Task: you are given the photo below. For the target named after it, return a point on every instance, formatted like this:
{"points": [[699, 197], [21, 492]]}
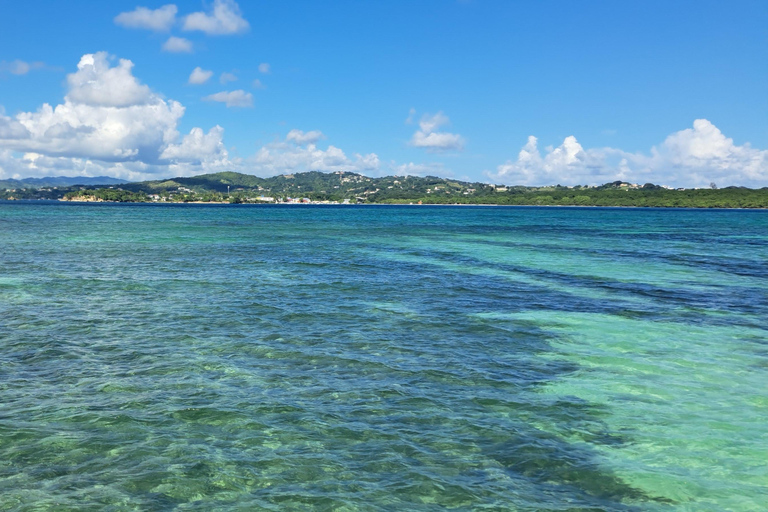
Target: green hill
{"points": [[356, 188]]}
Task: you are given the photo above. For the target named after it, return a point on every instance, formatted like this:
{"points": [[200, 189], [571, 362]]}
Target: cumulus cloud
{"points": [[109, 123], [158, 20], [223, 19], [258, 85], [199, 147], [301, 138], [531, 168], [227, 77], [437, 141], [177, 45], [693, 157], [96, 83], [289, 157], [413, 169], [112, 124], [705, 154], [20, 67], [107, 114], [36, 164], [429, 138], [199, 76], [11, 129], [238, 98], [264, 68]]}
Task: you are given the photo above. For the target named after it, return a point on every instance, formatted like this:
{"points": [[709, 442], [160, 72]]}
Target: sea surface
{"points": [[382, 358]]}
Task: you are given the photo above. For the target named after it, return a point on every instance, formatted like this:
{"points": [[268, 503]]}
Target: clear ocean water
{"points": [[382, 358]]}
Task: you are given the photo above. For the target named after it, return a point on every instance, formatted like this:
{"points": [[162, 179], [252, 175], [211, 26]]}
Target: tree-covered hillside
{"points": [[350, 187]]}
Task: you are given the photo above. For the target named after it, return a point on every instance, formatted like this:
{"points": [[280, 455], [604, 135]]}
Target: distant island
{"points": [[352, 188]]}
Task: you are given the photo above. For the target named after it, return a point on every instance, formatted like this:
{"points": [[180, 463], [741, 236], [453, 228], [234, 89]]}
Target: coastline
{"points": [[326, 204]]}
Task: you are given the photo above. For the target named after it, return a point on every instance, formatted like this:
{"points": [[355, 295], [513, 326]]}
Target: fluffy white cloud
{"points": [[531, 168], [227, 77], [19, 67], [288, 157], [264, 68], [705, 146], [224, 18], [95, 83], [428, 136], [177, 45], [199, 148], [258, 85], [109, 123], [413, 169], [238, 98], [693, 157], [11, 129], [301, 138], [437, 141], [199, 76], [159, 20], [36, 164]]}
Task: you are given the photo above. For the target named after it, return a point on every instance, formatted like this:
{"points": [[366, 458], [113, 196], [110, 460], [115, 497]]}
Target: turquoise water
{"points": [[194, 357]]}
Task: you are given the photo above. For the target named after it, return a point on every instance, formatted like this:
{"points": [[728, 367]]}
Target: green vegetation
{"points": [[107, 194], [350, 187], [612, 195]]}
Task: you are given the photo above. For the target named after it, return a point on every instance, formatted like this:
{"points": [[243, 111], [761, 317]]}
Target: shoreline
{"points": [[484, 205]]}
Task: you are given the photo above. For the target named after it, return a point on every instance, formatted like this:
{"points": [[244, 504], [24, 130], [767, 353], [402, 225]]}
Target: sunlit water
{"points": [[382, 358]]}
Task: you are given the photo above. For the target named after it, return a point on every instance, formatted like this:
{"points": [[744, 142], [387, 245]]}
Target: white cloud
{"points": [[708, 155], [177, 45], [199, 147], [238, 98], [107, 114], [227, 77], [264, 68], [225, 18], [429, 124], [429, 138], [704, 145], [302, 138], [109, 123], [159, 20], [693, 157], [95, 83], [530, 168], [413, 169], [36, 164], [411, 114], [437, 141], [11, 129], [199, 76], [287, 157], [258, 85], [19, 67]]}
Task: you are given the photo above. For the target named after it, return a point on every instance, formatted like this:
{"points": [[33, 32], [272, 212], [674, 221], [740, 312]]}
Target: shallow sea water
{"points": [[169, 357]]}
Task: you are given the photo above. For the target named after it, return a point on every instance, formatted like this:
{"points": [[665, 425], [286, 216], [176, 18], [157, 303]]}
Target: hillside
{"points": [[314, 185], [350, 187], [356, 188]]}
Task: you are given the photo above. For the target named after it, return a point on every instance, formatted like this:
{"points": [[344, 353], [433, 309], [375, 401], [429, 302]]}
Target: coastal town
{"points": [[348, 188]]}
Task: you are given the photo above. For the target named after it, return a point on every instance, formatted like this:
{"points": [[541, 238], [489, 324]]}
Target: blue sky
{"points": [[510, 92]]}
